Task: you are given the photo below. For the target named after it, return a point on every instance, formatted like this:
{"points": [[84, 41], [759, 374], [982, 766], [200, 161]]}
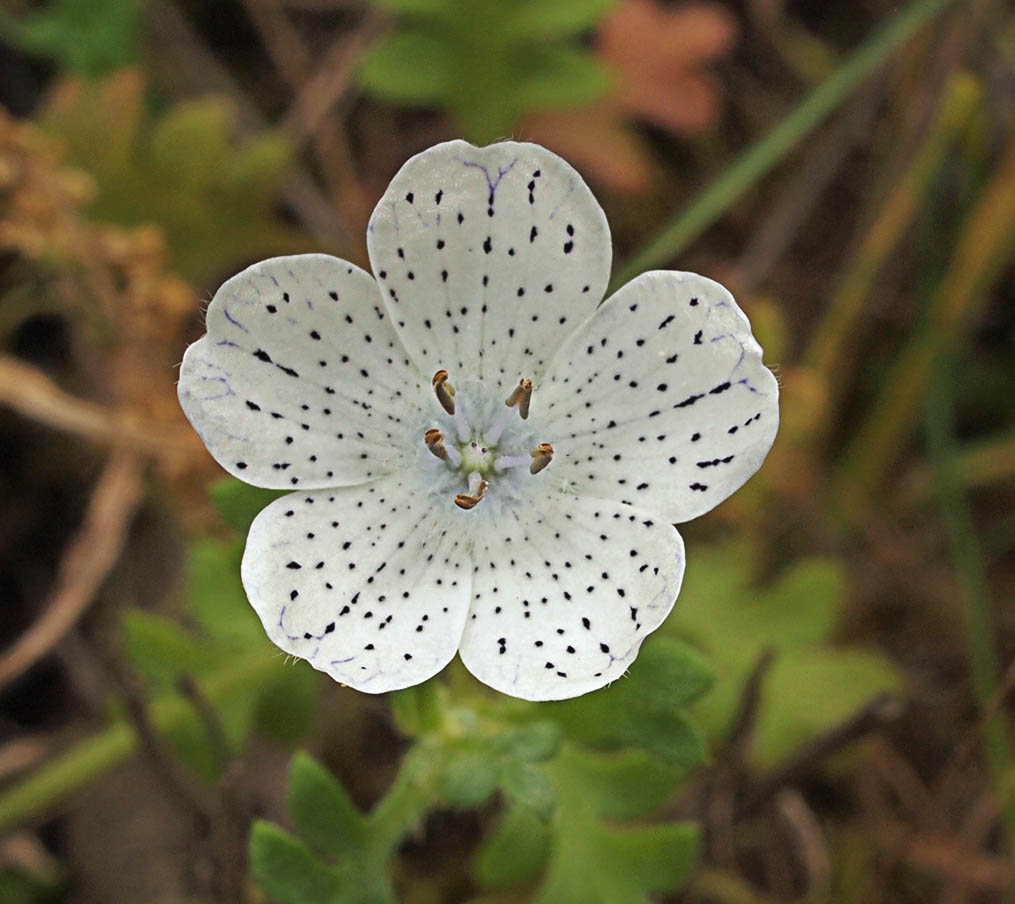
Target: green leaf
{"points": [[816, 688], [183, 170], [534, 742], [424, 9], [257, 171], [287, 706], [470, 778], [526, 785], [672, 673], [217, 600], [88, 37], [19, 888], [622, 785], [191, 743], [811, 686], [603, 865], [554, 77], [537, 19], [592, 862], [409, 67], [488, 62], [646, 709], [287, 870], [514, 852], [161, 650], [239, 503], [191, 143], [321, 810]]}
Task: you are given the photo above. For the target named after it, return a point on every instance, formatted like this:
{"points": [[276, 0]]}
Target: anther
{"points": [[444, 390], [471, 500], [520, 397], [434, 440], [542, 455]]}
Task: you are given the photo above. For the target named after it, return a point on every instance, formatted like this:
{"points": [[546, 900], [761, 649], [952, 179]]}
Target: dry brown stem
{"points": [[34, 395], [87, 560]]}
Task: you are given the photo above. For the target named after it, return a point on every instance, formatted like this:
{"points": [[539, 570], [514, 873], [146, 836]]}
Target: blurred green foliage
{"points": [[488, 62], [221, 626], [214, 198], [812, 685], [18, 888], [87, 37]]}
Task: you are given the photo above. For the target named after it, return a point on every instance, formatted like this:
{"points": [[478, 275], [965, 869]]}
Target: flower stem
{"points": [[758, 160], [415, 792], [419, 710]]}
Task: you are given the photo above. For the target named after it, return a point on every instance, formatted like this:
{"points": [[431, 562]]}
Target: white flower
{"points": [[482, 460]]}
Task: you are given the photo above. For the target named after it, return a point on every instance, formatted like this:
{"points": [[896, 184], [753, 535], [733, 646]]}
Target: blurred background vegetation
{"points": [[827, 716]]}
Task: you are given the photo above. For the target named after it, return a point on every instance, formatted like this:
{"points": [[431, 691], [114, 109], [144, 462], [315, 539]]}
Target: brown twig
{"points": [[974, 736], [750, 700], [881, 711], [331, 82], [219, 813], [721, 795], [824, 161], [184, 788], [811, 844], [87, 560], [281, 41], [32, 394], [196, 70], [20, 755], [212, 724]]}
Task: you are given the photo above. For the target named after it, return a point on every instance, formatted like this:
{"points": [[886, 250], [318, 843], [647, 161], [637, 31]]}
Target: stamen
{"points": [[471, 500], [434, 440], [520, 397], [542, 455], [444, 390], [507, 462]]}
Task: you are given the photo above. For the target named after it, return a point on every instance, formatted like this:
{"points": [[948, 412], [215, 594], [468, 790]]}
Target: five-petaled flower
{"points": [[481, 459]]}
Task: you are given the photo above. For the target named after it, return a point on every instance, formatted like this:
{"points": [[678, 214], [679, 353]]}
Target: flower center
{"points": [[478, 456]]}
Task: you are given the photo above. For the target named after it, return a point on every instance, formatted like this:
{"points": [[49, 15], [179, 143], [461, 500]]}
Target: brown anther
{"points": [[468, 501], [444, 390], [542, 455], [521, 395], [434, 440]]}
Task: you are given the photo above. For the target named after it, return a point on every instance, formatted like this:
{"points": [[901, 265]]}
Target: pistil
{"points": [[474, 455]]}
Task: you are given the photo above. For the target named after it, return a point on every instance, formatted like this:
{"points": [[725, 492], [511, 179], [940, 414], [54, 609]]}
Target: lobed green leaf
{"points": [[410, 66], [514, 852], [321, 810], [287, 870]]}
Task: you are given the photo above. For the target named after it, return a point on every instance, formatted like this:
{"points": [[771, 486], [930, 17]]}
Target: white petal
{"points": [[564, 595], [301, 380], [661, 399], [361, 581], [488, 258]]}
